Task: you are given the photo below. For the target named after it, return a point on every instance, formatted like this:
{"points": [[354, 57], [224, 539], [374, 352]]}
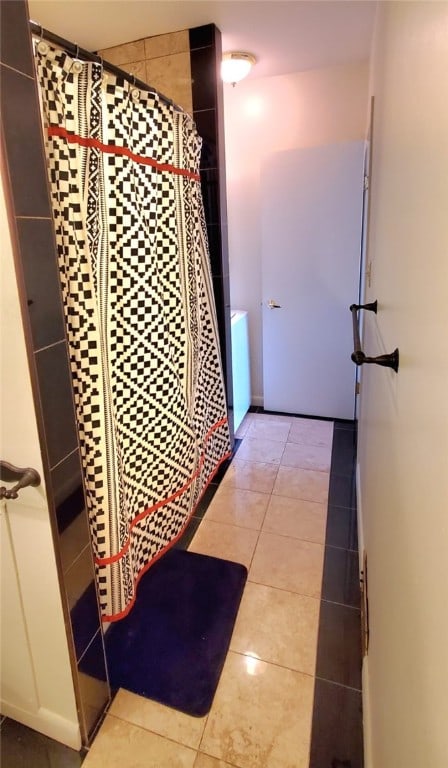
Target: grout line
{"points": [[344, 549], [157, 733], [341, 685], [17, 71], [272, 663], [342, 605], [49, 346], [98, 631], [34, 218], [284, 589], [61, 461], [217, 759]]}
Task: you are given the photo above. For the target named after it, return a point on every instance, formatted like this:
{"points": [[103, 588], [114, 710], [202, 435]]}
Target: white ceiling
{"points": [[285, 36]]}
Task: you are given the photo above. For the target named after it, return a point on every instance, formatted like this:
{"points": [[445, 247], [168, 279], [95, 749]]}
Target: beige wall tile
{"points": [[165, 45], [171, 75], [123, 54], [136, 68]]}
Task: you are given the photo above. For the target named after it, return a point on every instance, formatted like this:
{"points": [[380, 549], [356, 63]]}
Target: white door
{"points": [[311, 242], [36, 685]]}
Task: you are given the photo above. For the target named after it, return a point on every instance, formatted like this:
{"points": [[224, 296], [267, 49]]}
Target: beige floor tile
{"points": [[261, 715], [307, 456], [260, 449], [225, 541], [244, 426], [238, 507], [306, 484], [250, 476], [286, 563], [274, 417], [155, 717], [311, 432], [277, 626], [122, 745], [269, 427], [297, 518], [205, 761]]}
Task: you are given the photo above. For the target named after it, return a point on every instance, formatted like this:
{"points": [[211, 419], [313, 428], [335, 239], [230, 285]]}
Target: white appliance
{"points": [[240, 365]]}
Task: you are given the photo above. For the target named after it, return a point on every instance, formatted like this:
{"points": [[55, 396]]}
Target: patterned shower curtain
{"points": [[139, 310]]}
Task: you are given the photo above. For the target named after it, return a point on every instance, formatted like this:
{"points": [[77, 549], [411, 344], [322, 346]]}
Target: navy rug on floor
{"points": [[172, 646]]}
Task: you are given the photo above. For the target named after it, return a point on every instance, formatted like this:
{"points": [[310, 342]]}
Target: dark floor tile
{"points": [[336, 738], [343, 457], [21, 747], [41, 275], [340, 583], [339, 645], [342, 528], [342, 491]]}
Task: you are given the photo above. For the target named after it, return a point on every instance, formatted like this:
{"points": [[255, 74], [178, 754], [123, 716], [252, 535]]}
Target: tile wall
{"points": [[208, 114], [163, 61], [38, 284]]}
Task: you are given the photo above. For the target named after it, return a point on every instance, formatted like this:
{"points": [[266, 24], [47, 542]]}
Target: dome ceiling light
{"points": [[235, 65]]}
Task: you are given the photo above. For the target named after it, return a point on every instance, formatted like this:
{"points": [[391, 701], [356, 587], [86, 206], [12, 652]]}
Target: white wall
{"points": [[268, 115], [403, 430], [36, 681]]}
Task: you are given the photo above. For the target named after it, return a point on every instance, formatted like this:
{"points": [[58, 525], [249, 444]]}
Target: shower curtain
{"points": [[139, 309]]}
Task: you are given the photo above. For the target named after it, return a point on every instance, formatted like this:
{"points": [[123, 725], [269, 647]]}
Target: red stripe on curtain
{"points": [[113, 149], [122, 614], [163, 502]]}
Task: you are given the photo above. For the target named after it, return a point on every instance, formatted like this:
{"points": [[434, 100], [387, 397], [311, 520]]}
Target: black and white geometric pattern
{"points": [[139, 309]]}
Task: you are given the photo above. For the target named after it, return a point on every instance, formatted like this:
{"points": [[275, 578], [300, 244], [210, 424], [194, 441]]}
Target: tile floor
{"points": [[289, 695]]}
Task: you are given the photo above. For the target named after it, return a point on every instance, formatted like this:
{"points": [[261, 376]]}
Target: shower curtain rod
{"points": [[74, 50]]}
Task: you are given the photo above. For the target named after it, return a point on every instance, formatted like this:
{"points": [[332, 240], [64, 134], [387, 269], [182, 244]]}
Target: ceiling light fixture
{"points": [[235, 65]]}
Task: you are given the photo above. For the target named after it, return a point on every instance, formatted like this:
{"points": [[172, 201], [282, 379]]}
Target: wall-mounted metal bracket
{"points": [[390, 360], [21, 477]]}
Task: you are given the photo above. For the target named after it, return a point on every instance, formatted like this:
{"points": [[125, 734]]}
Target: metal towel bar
{"points": [[21, 477], [359, 357]]}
